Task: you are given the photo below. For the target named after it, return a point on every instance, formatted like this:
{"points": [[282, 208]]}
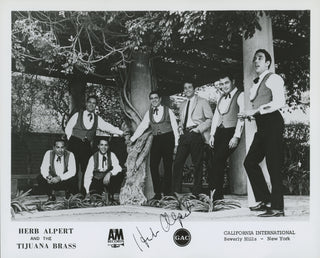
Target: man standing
{"points": [[225, 132], [267, 96], [195, 120], [81, 130], [164, 128], [58, 169], [103, 171]]}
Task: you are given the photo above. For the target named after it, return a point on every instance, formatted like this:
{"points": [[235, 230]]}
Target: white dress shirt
{"points": [[223, 107], [89, 171], [276, 84], [189, 121], [58, 166], [145, 123], [102, 125]]}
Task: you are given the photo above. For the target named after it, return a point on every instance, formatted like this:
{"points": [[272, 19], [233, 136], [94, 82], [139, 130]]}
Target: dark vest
{"points": [[81, 132], [96, 173], [230, 118], [164, 125], [52, 171], [263, 94]]}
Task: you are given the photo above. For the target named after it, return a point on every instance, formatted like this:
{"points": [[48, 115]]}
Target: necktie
{"points": [[104, 159], [90, 117], [59, 159], [186, 117], [256, 80], [155, 111], [228, 95]]}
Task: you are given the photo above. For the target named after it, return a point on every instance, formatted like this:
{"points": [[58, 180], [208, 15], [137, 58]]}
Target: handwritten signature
{"points": [[166, 221]]}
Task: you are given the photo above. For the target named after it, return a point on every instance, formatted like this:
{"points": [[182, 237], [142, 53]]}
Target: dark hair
{"points": [[103, 139], [226, 74], [190, 82], [266, 54], [59, 140], [155, 92], [92, 97]]}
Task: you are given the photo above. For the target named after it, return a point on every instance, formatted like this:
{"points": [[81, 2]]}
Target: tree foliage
{"points": [[184, 45]]}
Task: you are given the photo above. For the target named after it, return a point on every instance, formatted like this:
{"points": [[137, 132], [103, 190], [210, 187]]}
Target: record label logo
{"points": [[182, 237], [115, 238]]}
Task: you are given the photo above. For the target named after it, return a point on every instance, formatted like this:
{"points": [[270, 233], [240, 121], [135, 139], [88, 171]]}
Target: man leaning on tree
{"points": [[164, 128], [81, 130]]}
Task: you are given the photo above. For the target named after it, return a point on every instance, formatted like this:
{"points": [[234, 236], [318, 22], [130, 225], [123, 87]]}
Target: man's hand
{"points": [[106, 179], [55, 180], [195, 130], [211, 141], [242, 116], [233, 142], [175, 149], [180, 130]]}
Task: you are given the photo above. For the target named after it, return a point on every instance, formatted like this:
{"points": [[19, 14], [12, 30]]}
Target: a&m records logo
{"points": [[115, 238], [182, 237]]}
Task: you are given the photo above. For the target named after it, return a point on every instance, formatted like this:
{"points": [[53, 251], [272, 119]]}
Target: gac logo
{"points": [[182, 237]]}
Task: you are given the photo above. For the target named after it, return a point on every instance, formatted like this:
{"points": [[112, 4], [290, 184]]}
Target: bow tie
{"points": [[228, 95], [256, 80], [104, 159], [155, 111], [90, 117], [59, 159]]}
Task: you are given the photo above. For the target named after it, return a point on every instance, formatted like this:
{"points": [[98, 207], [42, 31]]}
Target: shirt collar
{"points": [[261, 76]]}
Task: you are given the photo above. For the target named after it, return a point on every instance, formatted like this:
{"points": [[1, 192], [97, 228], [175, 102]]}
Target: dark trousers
{"points": [[70, 185], [189, 143], [268, 143], [114, 185], [82, 153], [221, 152], [162, 147]]}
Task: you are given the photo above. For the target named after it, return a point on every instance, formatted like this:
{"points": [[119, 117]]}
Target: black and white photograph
{"points": [[131, 129]]}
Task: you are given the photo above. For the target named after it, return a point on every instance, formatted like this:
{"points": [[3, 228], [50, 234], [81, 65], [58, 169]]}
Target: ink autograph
{"points": [[166, 221]]}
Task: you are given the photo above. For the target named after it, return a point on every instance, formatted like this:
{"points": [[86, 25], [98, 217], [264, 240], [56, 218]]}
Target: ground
{"points": [[296, 209]]}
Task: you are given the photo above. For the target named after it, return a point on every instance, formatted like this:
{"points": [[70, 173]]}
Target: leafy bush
{"points": [[296, 169]]}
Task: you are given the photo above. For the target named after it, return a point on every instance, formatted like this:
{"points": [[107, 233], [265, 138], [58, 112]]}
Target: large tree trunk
{"points": [[138, 185], [77, 87]]}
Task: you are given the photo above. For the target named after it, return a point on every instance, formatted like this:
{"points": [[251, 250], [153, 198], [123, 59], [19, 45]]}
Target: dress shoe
{"points": [[272, 213], [261, 206]]}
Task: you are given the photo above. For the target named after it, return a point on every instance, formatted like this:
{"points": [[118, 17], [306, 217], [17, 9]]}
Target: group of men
{"points": [[197, 126]]}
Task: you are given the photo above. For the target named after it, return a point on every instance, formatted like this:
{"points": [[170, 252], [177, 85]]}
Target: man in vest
{"points": [[81, 130], [164, 128], [225, 132], [267, 96], [194, 130], [58, 169], [102, 173]]}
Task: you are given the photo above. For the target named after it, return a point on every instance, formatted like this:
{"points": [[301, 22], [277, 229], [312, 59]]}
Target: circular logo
{"points": [[182, 237]]}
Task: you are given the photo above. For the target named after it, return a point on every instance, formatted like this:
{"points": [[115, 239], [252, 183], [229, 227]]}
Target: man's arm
{"points": [[71, 168], [141, 127], [105, 126], [276, 84], [174, 126], [115, 164], [71, 123], [240, 122], [207, 113], [44, 169], [88, 175]]}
